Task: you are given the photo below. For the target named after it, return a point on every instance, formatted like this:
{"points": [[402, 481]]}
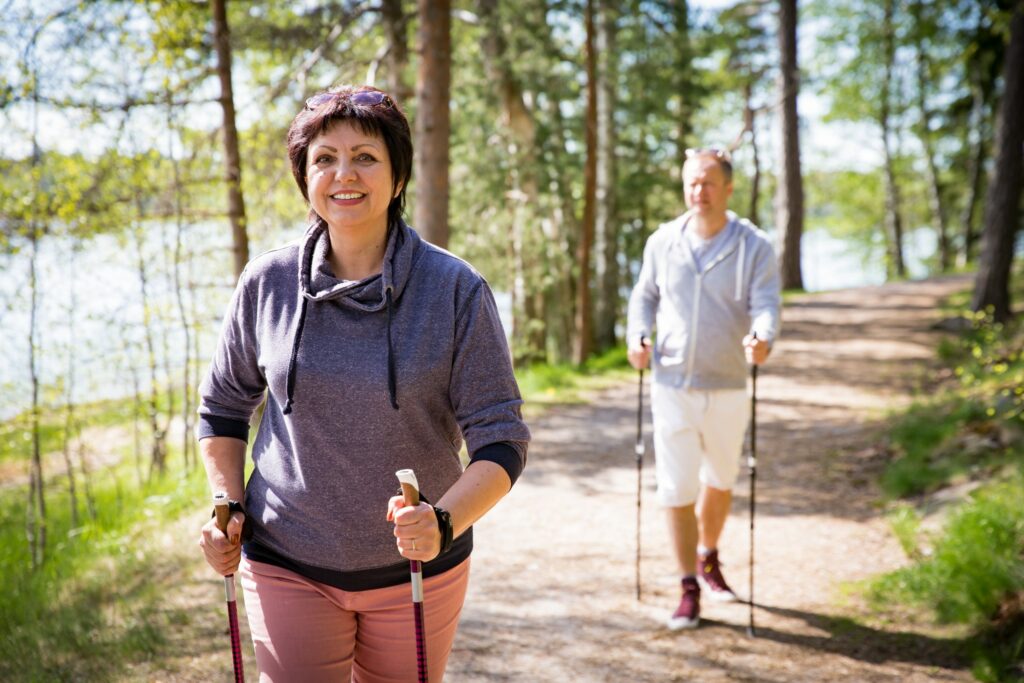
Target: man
{"points": [[709, 287]]}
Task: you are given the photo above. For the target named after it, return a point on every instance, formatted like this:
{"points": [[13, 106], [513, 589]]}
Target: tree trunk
{"points": [[789, 203], [187, 438], [69, 386], [36, 517], [395, 22], [583, 305], [975, 163], [232, 157], [433, 121], [607, 225], [684, 77], [1002, 205], [561, 232], [519, 133], [750, 123], [893, 222], [83, 464], [935, 193], [158, 445]]}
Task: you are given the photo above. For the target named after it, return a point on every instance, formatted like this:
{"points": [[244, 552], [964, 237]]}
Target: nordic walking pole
{"points": [[411, 491], [221, 506], [752, 465], [639, 450]]}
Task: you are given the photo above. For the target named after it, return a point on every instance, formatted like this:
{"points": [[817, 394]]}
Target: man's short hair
{"points": [[721, 156]]}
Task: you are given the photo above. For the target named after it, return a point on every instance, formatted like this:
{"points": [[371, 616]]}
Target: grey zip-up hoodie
{"points": [[363, 379], [701, 316]]}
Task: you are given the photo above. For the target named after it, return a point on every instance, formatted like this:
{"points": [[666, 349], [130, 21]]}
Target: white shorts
{"points": [[698, 439]]}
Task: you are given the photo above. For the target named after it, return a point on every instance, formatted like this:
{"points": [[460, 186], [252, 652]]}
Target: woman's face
{"points": [[349, 179]]}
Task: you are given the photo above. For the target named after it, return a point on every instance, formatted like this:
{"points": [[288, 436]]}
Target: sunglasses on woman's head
{"points": [[361, 98]]}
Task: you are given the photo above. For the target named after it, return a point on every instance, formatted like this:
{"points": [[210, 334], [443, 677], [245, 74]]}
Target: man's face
{"points": [[705, 187]]}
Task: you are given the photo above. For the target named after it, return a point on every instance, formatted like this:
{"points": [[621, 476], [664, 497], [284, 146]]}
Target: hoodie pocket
{"points": [[671, 348]]}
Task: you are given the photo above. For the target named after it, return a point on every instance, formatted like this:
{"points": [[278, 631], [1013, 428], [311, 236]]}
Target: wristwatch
{"points": [[444, 525]]}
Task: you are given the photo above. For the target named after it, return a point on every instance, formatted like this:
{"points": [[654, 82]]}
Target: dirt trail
{"points": [[552, 592], [552, 588]]}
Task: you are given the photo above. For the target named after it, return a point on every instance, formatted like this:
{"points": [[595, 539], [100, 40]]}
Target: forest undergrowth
{"points": [[955, 486]]}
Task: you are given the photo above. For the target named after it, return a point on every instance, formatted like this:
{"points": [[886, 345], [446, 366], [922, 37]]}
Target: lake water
{"points": [[99, 292]]}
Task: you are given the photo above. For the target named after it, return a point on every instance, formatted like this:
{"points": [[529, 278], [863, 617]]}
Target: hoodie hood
{"points": [[369, 295], [318, 283]]}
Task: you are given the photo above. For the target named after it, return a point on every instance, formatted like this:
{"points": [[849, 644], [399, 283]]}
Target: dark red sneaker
{"points": [[709, 569], [687, 615]]}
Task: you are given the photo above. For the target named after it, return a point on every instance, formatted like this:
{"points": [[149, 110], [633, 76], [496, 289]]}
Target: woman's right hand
{"points": [[223, 551]]}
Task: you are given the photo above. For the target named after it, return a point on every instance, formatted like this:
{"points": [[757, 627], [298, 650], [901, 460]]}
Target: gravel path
{"points": [[552, 592]]}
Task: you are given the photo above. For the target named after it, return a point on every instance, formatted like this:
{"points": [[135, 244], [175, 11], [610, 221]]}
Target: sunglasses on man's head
{"points": [[361, 98], [716, 152]]}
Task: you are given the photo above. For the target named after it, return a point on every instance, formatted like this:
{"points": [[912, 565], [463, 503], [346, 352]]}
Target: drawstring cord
{"points": [[739, 267], [290, 385], [391, 355]]}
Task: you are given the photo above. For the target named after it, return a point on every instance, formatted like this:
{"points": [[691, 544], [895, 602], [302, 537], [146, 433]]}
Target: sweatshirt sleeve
{"points": [[234, 386], [765, 293], [643, 300], [483, 388]]}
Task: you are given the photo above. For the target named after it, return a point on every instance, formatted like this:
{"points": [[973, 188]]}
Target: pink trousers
{"points": [[306, 632]]}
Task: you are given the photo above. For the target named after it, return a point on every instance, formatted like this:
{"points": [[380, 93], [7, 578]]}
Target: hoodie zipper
{"points": [[695, 315]]}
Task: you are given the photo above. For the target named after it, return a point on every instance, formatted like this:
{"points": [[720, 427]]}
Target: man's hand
{"points": [[755, 349], [639, 353]]}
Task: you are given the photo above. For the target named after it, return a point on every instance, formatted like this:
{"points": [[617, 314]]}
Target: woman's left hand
{"points": [[416, 531]]}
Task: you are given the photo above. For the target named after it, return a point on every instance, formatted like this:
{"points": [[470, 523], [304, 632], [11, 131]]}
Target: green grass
{"points": [[88, 609], [15, 441], [91, 610], [974, 575], [546, 385], [972, 426], [971, 571], [939, 442]]}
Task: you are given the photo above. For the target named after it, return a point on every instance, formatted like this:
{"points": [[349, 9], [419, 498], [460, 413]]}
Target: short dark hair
{"points": [[384, 120], [722, 156]]}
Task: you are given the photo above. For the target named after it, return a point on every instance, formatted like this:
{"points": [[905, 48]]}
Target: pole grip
{"points": [[410, 487], [222, 509]]}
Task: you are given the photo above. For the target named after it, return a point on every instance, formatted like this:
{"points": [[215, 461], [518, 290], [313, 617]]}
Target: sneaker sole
{"points": [[716, 595], [682, 623]]}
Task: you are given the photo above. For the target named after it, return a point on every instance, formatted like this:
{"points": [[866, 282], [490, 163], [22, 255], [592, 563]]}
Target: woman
{"points": [[377, 351]]}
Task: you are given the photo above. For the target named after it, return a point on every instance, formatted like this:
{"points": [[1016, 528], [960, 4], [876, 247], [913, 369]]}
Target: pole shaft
{"points": [[753, 487], [223, 513], [412, 499], [639, 450]]}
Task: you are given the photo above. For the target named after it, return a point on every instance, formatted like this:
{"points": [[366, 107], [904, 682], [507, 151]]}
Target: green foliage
{"points": [[975, 563], [971, 572], [973, 576], [15, 437], [972, 428], [545, 384], [906, 524], [90, 609], [929, 448]]}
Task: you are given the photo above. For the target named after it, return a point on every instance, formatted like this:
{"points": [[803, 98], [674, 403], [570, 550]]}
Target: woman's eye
{"points": [[322, 159], [365, 157]]}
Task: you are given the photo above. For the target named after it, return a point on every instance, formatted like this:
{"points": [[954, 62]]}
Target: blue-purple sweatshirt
{"points": [[362, 379]]}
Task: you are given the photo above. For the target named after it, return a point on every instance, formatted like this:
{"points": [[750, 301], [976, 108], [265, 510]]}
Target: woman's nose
{"points": [[346, 170]]}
